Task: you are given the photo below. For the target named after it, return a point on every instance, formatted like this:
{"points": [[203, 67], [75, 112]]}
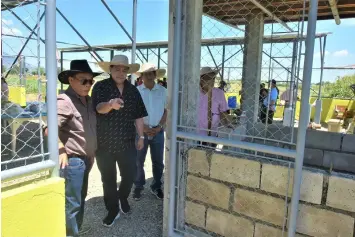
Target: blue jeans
{"points": [[157, 154], [76, 176]]}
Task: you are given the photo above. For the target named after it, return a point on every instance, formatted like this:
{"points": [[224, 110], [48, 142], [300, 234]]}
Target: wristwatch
{"points": [[160, 126], [141, 137]]}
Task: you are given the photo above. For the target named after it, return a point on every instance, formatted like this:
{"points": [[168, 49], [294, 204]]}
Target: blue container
{"points": [[232, 102]]}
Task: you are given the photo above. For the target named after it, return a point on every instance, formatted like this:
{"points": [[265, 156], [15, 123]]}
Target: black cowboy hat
{"points": [[76, 66]]}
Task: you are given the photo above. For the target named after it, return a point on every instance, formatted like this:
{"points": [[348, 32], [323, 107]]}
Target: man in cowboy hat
{"points": [[154, 97], [120, 111], [77, 140], [213, 105]]}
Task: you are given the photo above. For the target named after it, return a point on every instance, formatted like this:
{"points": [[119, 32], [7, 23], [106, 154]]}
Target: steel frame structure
{"points": [[175, 65]]}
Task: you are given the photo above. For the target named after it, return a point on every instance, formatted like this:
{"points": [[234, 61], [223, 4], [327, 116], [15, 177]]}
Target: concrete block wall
{"points": [[327, 150], [233, 196]]}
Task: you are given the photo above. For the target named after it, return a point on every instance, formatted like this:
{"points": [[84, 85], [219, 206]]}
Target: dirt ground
{"points": [[145, 219]]}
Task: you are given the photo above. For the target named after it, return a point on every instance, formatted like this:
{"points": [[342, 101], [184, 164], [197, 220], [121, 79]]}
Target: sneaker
{"points": [[124, 205], [137, 194], [84, 230], [158, 193], [110, 219]]}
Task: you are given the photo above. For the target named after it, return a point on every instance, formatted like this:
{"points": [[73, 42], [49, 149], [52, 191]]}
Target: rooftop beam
{"points": [[270, 14], [334, 8]]}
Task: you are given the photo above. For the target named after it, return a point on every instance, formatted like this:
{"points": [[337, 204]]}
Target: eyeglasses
{"points": [[84, 82]]}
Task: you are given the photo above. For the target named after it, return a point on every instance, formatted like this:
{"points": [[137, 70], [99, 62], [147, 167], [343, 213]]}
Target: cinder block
{"points": [[198, 163], [259, 206], [341, 193], [235, 170], [348, 143], [195, 214], [228, 225], [339, 161], [268, 231], [208, 191], [313, 157], [274, 179], [323, 223], [323, 140]]}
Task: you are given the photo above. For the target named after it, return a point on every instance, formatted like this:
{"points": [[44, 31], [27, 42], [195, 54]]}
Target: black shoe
{"points": [[158, 193], [137, 194], [111, 218], [124, 205]]}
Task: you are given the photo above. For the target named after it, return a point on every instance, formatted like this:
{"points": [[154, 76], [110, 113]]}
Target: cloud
{"points": [[7, 22], [341, 53], [10, 31]]}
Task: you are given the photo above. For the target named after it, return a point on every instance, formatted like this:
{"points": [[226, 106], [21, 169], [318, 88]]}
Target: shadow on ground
{"points": [[144, 220]]}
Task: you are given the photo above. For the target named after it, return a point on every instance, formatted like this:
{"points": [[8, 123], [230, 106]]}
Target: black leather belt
{"points": [[77, 156]]}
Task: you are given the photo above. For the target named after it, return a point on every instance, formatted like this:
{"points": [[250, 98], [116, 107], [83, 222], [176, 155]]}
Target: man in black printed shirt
{"points": [[120, 111]]}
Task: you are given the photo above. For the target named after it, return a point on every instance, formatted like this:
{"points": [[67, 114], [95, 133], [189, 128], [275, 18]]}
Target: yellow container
{"points": [[17, 94]]}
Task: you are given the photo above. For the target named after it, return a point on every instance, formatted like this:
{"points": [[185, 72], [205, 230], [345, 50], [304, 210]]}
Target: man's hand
{"points": [[140, 144], [63, 160], [116, 104]]}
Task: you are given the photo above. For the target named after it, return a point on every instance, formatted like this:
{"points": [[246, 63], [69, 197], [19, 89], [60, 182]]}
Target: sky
{"points": [[98, 27]]}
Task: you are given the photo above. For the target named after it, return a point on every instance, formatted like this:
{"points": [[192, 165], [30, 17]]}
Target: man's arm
{"points": [[163, 118], [140, 127], [104, 107]]}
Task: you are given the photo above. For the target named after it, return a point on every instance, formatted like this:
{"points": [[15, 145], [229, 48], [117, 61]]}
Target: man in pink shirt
{"points": [[213, 105]]}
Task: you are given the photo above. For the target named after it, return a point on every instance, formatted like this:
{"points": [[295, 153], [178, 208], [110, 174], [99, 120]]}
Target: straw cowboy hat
{"points": [[119, 60], [149, 67], [76, 66], [207, 70]]}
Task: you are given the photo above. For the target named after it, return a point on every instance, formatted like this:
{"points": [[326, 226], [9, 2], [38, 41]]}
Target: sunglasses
{"points": [[84, 82]]}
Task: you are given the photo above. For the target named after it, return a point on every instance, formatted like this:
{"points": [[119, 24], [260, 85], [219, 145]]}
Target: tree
{"points": [[340, 88], [3, 69]]}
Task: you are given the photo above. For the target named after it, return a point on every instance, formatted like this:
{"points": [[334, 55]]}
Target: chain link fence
{"points": [[247, 87], [23, 100]]}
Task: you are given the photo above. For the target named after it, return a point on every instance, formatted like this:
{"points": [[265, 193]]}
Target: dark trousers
{"points": [[157, 155], [76, 176], [264, 114], [106, 163]]}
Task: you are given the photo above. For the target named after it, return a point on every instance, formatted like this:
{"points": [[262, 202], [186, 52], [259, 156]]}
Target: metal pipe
{"points": [[334, 8], [223, 56], [27, 169], [304, 116], [176, 63], [134, 38], [31, 157], [77, 32], [322, 55], [270, 14], [51, 72], [159, 58], [39, 82], [61, 68], [214, 61], [239, 144]]}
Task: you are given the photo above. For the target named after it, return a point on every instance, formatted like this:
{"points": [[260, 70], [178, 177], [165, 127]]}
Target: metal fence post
{"points": [[51, 74], [134, 38], [174, 115], [304, 115]]}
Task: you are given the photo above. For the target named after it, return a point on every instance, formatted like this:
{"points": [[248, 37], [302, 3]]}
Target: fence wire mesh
{"points": [[247, 90], [23, 85]]}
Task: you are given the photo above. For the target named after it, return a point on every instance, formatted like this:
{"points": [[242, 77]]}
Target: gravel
{"points": [[144, 220]]}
